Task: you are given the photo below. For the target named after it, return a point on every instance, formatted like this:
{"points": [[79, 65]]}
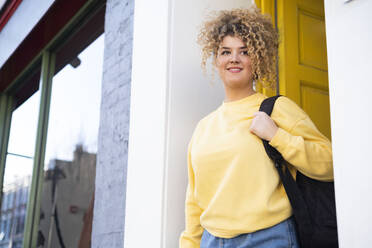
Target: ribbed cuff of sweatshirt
{"points": [[281, 140]]}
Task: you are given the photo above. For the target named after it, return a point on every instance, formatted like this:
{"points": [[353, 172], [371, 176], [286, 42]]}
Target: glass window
{"points": [[70, 158], [4, 201], [18, 166], [8, 224], [3, 227], [25, 191]]}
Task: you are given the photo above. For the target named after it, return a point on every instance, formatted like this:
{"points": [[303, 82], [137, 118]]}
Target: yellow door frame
{"points": [[269, 7], [302, 63]]}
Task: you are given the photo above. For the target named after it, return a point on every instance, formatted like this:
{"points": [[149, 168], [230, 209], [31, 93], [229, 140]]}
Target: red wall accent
{"points": [[10, 8]]}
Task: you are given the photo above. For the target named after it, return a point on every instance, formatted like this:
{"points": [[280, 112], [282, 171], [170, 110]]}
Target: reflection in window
{"points": [[18, 169], [71, 148]]}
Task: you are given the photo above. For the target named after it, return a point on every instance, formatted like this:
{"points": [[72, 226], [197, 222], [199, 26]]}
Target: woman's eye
{"points": [[225, 52], [244, 52]]}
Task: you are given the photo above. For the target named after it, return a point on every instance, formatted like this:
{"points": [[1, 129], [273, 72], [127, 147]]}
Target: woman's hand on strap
{"points": [[263, 126]]}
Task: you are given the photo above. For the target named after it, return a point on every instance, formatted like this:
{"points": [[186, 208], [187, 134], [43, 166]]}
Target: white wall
{"points": [[169, 96], [28, 13], [349, 40], [147, 131]]}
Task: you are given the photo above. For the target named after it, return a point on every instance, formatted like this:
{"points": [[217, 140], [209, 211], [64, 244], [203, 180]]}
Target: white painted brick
{"points": [[109, 208]]}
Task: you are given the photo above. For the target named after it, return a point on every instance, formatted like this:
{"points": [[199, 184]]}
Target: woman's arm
{"points": [[305, 148], [296, 137], [191, 236]]}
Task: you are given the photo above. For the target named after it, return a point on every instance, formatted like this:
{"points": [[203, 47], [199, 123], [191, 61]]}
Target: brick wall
{"points": [[109, 206]]}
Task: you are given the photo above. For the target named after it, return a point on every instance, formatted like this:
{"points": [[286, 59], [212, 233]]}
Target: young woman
{"points": [[234, 196]]}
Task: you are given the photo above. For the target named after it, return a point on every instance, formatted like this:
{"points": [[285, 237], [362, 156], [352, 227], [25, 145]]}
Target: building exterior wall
{"points": [[162, 105], [349, 42], [109, 207]]}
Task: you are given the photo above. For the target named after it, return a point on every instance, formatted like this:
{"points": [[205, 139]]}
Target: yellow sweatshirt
{"points": [[233, 186]]}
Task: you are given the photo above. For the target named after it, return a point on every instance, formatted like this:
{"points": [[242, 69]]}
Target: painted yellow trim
{"points": [[281, 51], [267, 7]]}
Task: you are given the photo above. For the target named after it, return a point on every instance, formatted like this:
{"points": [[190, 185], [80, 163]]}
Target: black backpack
{"points": [[312, 201]]}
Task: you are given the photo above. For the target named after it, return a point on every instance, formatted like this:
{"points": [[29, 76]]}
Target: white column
{"points": [[349, 40], [148, 124]]}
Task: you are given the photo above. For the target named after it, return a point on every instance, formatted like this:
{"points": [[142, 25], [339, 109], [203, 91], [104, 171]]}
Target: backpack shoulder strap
{"points": [[267, 106], [300, 209]]}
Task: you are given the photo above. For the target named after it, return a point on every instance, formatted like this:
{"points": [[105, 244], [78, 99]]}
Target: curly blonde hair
{"points": [[254, 29]]}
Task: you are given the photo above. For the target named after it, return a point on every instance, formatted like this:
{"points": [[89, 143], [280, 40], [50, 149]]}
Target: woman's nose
{"points": [[235, 57]]}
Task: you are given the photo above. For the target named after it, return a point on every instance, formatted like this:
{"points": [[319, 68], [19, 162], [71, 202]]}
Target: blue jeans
{"points": [[282, 235]]}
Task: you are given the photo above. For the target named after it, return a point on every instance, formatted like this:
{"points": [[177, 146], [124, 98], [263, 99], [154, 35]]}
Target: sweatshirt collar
{"points": [[249, 100]]}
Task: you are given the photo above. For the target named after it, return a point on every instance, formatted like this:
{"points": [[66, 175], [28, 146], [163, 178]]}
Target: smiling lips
{"points": [[235, 69]]}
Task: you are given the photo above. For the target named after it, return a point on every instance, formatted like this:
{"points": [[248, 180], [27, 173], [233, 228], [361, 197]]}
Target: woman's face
{"points": [[233, 63]]}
